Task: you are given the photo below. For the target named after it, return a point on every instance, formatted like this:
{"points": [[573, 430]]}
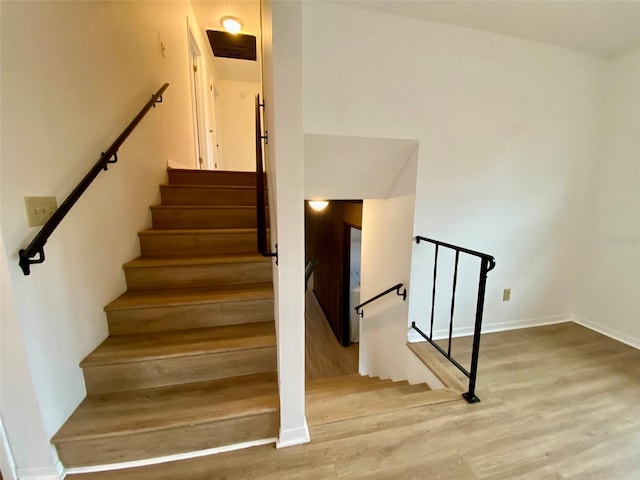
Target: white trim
{"points": [[178, 165], [168, 458], [37, 473], [609, 332], [413, 336], [7, 455], [294, 436]]}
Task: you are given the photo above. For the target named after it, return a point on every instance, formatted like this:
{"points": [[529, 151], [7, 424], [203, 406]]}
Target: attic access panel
{"points": [[232, 45]]}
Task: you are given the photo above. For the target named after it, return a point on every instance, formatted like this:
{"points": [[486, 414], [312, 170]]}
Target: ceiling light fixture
{"points": [[318, 205], [231, 24]]}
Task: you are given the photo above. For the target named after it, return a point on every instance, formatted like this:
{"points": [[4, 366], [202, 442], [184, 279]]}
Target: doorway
{"points": [[353, 259]]}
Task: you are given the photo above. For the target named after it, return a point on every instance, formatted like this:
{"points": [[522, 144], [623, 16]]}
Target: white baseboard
{"points": [[609, 332], [38, 473], [167, 458], [294, 436], [414, 336]]}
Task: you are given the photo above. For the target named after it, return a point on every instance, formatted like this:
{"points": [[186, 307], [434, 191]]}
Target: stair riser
{"points": [[203, 217], [188, 438], [197, 243], [186, 276], [178, 370], [199, 177], [184, 317], [207, 196]]}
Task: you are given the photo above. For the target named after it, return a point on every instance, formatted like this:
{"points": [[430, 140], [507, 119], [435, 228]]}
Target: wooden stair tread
{"points": [[146, 346], [173, 260], [166, 407], [338, 382], [203, 207], [358, 406], [191, 296], [197, 231], [352, 397], [211, 187], [422, 350], [348, 385], [178, 176]]}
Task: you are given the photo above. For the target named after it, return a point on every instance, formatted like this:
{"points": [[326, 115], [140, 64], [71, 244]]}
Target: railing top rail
{"points": [[485, 256], [395, 288], [36, 247]]}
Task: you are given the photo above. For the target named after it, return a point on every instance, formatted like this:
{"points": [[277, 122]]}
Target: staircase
{"points": [[346, 397], [190, 361]]}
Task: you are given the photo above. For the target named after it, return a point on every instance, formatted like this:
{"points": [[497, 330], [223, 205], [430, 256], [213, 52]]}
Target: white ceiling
{"points": [[601, 27], [347, 168], [209, 13]]}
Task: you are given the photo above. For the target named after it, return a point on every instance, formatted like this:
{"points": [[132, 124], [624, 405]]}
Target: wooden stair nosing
{"points": [[210, 177], [187, 242], [178, 370], [192, 296], [160, 408], [207, 195], [178, 260], [186, 317], [196, 275], [187, 438], [326, 413], [181, 343]]}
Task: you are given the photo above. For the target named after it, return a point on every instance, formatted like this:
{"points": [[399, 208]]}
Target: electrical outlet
{"points": [[39, 209], [506, 295]]}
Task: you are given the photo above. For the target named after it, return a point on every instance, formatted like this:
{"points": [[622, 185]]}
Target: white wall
{"points": [[508, 140], [387, 227], [73, 74], [27, 441], [343, 168], [609, 300], [282, 23], [237, 112]]}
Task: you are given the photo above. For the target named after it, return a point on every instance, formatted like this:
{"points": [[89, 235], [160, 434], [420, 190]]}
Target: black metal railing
{"points": [[261, 202], [36, 247], [395, 288], [308, 271], [487, 263]]}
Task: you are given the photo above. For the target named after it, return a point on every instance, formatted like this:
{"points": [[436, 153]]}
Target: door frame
{"points": [[196, 71]]}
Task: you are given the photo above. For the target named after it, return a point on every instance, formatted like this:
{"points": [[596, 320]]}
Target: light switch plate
{"points": [[506, 295], [39, 209]]}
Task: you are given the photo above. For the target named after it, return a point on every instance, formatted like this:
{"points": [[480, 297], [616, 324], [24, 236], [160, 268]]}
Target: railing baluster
{"points": [[453, 302], [470, 396], [433, 292]]}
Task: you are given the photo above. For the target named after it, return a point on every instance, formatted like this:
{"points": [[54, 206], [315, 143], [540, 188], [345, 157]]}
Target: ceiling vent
{"points": [[232, 45]]}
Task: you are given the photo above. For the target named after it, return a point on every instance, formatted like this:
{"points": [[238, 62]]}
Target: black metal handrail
{"points": [[261, 204], [487, 263], [36, 247], [395, 288], [308, 271]]}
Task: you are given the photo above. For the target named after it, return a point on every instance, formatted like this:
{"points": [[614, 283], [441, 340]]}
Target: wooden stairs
{"points": [[347, 397], [190, 361]]}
